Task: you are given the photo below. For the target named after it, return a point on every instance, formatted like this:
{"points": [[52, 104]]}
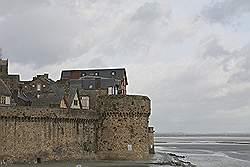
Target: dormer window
{"points": [[38, 87], [113, 73], [3, 100], [75, 102]]}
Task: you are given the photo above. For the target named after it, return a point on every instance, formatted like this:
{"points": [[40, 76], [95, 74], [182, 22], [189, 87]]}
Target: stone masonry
{"points": [[123, 127], [116, 130], [28, 134]]}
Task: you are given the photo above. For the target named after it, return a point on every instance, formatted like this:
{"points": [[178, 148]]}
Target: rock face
{"points": [[117, 130]]}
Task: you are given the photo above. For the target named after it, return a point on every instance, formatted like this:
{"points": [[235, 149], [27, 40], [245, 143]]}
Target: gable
{"points": [[63, 104], [75, 103]]}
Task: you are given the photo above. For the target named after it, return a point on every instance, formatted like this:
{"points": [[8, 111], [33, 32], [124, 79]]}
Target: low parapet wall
{"points": [[34, 134], [36, 112], [130, 104]]}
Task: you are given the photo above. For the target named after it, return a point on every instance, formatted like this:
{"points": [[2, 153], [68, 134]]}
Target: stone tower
{"points": [[123, 128], [3, 66]]}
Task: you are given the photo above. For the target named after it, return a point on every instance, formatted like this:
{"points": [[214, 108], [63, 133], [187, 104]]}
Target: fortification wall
{"points": [[123, 128], [151, 140], [31, 134]]}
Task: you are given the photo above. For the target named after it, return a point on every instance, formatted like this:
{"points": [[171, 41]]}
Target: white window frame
{"points": [[38, 87], [130, 147], [110, 90], [75, 104], [3, 100], [85, 102]]}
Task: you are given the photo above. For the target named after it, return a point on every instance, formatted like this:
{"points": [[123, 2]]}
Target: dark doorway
{"points": [[38, 160]]}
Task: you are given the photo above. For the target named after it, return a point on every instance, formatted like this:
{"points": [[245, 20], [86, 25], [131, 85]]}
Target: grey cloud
{"points": [[224, 11], [45, 36], [243, 74], [206, 92], [9, 7], [74, 28], [214, 49], [96, 63], [148, 12], [184, 104], [237, 62]]}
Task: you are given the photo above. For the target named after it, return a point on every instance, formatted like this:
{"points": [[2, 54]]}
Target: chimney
{"points": [[46, 76], [0, 53]]}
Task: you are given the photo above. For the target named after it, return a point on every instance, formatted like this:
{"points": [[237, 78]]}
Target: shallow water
{"points": [[218, 151]]}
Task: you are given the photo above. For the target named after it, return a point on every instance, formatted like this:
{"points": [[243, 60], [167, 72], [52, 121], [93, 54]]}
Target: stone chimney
{"points": [[3, 66]]}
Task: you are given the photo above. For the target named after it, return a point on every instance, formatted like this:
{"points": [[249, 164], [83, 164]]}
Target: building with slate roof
{"points": [[117, 77]]}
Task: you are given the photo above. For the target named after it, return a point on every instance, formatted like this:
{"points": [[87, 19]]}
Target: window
{"points": [[77, 128], [33, 86], [75, 103], [85, 102], [130, 148], [90, 86], [38, 87], [3, 100], [38, 96], [96, 73], [116, 90], [113, 73], [44, 86], [83, 74], [110, 90]]}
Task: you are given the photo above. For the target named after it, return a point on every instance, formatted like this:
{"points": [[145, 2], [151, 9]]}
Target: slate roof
{"points": [[118, 73], [4, 90], [95, 82], [72, 94], [23, 97], [49, 98]]}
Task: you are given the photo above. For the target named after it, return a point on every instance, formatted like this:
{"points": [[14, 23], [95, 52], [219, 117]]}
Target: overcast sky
{"points": [[191, 57]]}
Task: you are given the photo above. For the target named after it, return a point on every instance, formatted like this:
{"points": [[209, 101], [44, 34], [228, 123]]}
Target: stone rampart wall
{"points": [[116, 130], [31, 134]]}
